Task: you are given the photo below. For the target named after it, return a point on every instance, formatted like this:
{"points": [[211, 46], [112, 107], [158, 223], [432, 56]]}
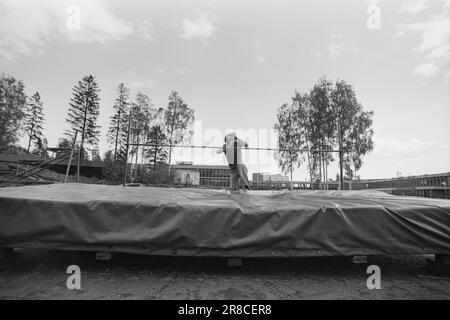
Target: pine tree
{"points": [[84, 111], [34, 120], [156, 153], [117, 131]]}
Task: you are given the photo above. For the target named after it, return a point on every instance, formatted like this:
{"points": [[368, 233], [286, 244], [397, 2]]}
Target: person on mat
{"points": [[233, 151]]}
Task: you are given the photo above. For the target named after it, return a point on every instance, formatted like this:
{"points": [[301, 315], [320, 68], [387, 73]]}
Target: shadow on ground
{"points": [[41, 274]]}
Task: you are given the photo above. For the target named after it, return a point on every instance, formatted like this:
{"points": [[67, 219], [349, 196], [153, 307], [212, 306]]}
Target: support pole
{"points": [[71, 155], [79, 162], [290, 158], [126, 150]]}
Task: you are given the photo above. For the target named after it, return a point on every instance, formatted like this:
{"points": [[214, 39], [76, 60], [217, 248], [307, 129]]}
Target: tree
{"points": [[117, 131], [142, 115], [358, 143], [329, 116], [322, 127], [354, 127], [41, 147], [95, 154], [111, 171], [288, 138], [64, 143], [66, 146], [12, 105], [178, 117], [157, 154], [83, 114], [83, 111], [302, 116], [34, 120]]}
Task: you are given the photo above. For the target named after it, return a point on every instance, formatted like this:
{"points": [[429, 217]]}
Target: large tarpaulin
{"points": [[199, 222]]}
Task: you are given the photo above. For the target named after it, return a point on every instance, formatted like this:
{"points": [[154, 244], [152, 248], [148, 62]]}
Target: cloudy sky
{"points": [[236, 62]]}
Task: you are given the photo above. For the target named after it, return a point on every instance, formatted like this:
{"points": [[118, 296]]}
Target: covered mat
{"points": [[200, 222]]}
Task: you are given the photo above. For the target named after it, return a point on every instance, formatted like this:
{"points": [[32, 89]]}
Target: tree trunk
{"points": [[309, 161], [82, 140], [29, 144], [170, 151], [31, 137], [320, 170], [156, 151], [117, 136], [137, 156]]}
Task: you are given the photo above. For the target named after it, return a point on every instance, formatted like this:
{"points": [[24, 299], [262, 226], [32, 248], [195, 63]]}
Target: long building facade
{"points": [[428, 185], [210, 175]]}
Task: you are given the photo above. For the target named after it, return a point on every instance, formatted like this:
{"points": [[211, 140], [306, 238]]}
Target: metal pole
{"points": [[71, 155], [219, 147], [290, 158], [79, 161], [126, 151]]}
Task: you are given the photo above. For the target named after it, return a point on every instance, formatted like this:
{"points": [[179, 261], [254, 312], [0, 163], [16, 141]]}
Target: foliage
{"points": [[354, 127], [117, 131], [289, 137], [34, 121], [178, 118], [157, 154], [12, 107], [327, 118], [142, 116], [113, 171], [83, 111]]}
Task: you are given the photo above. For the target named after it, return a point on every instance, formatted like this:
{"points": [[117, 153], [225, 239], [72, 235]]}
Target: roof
{"points": [[199, 166], [9, 157], [434, 175]]}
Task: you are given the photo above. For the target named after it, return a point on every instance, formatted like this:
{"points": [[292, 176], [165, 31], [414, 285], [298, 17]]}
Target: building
{"points": [[257, 176], [276, 177], [428, 185], [214, 176], [186, 177], [269, 177]]}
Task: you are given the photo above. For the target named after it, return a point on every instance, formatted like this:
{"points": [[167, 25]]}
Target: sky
{"points": [[236, 62]]}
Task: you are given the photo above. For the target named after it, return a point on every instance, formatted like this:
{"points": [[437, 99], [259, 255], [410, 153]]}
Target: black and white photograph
{"points": [[224, 155]]}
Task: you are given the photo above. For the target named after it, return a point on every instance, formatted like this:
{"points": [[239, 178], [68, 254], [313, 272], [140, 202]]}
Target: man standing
{"points": [[233, 151]]}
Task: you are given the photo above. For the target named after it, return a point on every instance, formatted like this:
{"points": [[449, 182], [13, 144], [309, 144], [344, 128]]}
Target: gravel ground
{"points": [[41, 274]]}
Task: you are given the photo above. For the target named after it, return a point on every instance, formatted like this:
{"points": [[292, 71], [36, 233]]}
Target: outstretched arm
{"points": [[242, 143], [220, 150]]}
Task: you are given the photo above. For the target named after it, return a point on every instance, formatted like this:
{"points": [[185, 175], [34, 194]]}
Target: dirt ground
{"points": [[41, 274]]}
